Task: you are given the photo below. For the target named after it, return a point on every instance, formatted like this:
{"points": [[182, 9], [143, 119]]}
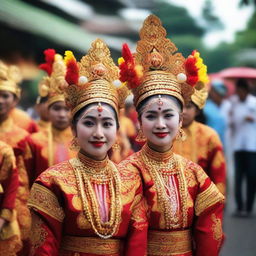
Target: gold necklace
{"points": [[166, 196], [109, 175]]}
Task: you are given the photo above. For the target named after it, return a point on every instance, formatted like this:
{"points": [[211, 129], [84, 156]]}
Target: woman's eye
{"points": [[150, 117], [168, 115], [107, 124], [88, 123]]}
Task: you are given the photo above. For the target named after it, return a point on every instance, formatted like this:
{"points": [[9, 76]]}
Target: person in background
{"points": [[11, 134], [125, 132], [217, 110], [202, 144], [51, 145], [43, 113], [243, 123], [185, 207], [10, 242], [23, 120], [86, 206]]}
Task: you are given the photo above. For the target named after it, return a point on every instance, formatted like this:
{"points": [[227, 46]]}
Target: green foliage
{"points": [[187, 43], [177, 20], [219, 58]]}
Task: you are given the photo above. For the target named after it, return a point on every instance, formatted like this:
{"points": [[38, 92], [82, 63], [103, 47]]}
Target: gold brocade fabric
{"points": [[44, 200], [12, 135], [93, 245], [203, 146], [169, 243]]}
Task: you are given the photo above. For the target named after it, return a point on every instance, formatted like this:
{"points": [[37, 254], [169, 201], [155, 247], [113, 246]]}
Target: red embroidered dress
{"points": [[185, 206], [73, 201]]}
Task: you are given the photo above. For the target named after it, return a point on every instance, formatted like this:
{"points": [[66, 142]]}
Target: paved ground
{"points": [[240, 232]]}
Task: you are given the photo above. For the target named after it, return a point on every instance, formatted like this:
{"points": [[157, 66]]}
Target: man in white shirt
{"points": [[243, 121]]}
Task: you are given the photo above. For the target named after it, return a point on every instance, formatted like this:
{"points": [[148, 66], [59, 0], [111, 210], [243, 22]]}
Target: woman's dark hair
{"points": [[78, 114], [142, 104]]}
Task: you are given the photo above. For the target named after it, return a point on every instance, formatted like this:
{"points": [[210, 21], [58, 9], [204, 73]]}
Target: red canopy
{"points": [[238, 72]]}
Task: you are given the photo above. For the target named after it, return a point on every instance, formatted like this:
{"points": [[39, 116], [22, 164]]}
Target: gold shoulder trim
{"points": [[208, 198], [41, 198]]}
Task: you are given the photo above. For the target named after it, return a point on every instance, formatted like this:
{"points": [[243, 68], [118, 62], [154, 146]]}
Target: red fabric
{"points": [[197, 182], [60, 180]]}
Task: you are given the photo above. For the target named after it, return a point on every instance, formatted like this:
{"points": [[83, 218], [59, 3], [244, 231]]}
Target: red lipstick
{"points": [[161, 134], [97, 144]]}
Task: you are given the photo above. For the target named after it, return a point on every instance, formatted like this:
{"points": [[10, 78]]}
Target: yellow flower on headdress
{"points": [[202, 68]]}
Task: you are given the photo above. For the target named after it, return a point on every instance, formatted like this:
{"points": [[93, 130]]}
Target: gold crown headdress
{"points": [[156, 67], [10, 77], [93, 79], [52, 86]]}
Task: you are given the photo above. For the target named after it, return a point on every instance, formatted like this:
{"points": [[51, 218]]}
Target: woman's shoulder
{"points": [[129, 167], [189, 167], [58, 171]]}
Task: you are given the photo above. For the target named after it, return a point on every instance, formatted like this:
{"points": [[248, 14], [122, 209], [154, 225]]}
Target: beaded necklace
{"points": [[85, 176], [162, 168]]}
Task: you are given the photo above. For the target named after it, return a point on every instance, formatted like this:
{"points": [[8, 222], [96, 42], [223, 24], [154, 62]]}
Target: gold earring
{"points": [[116, 146], [181, 135], [140, 137], [74, 145]]}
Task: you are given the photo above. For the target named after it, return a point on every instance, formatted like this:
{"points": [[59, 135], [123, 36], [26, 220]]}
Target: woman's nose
{"points": [[160, 124]]}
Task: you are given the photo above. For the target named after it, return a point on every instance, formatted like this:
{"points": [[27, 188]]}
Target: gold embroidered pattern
{"points": [[43, 199], [92, 245], [139, 212], [217, 229], [37, 234], [171, 199], [7, 161], [207, 198], [169, 243], [62, 175]]}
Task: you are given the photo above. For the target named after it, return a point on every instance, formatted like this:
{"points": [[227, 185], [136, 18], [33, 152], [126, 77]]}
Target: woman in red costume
{"points": [[185, 207], [85, 206]]}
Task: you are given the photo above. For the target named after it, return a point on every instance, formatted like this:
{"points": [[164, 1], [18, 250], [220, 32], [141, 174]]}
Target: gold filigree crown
{"points": [[93, 79], [10, 77], [157, 68], [52, 86]]}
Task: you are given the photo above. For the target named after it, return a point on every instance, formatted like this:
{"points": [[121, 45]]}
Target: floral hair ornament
{"points": [[197, 76], [53, 85], [94, 79]]}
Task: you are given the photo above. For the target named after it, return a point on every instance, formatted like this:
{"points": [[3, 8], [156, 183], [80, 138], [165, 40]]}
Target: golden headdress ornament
{"points": [[52, 86], [156, 67], [93, 79], [10, 77], [199, 97]]}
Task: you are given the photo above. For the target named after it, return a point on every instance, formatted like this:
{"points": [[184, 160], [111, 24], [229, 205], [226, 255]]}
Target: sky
{"points": [[233, 17]]}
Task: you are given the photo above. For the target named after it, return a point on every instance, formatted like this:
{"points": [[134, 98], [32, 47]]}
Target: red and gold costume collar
{"points": [[157, 156], [89, 162]]}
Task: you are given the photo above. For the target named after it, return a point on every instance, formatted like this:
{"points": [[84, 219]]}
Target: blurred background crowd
{"points": [[223, 32]]}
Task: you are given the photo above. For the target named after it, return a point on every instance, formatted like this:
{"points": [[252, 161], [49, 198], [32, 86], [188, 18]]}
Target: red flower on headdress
{"points": [[129, 71], [49, 59]]}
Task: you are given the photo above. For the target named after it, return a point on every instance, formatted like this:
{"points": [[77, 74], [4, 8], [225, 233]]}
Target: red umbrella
{"points": [[238, 72]]}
